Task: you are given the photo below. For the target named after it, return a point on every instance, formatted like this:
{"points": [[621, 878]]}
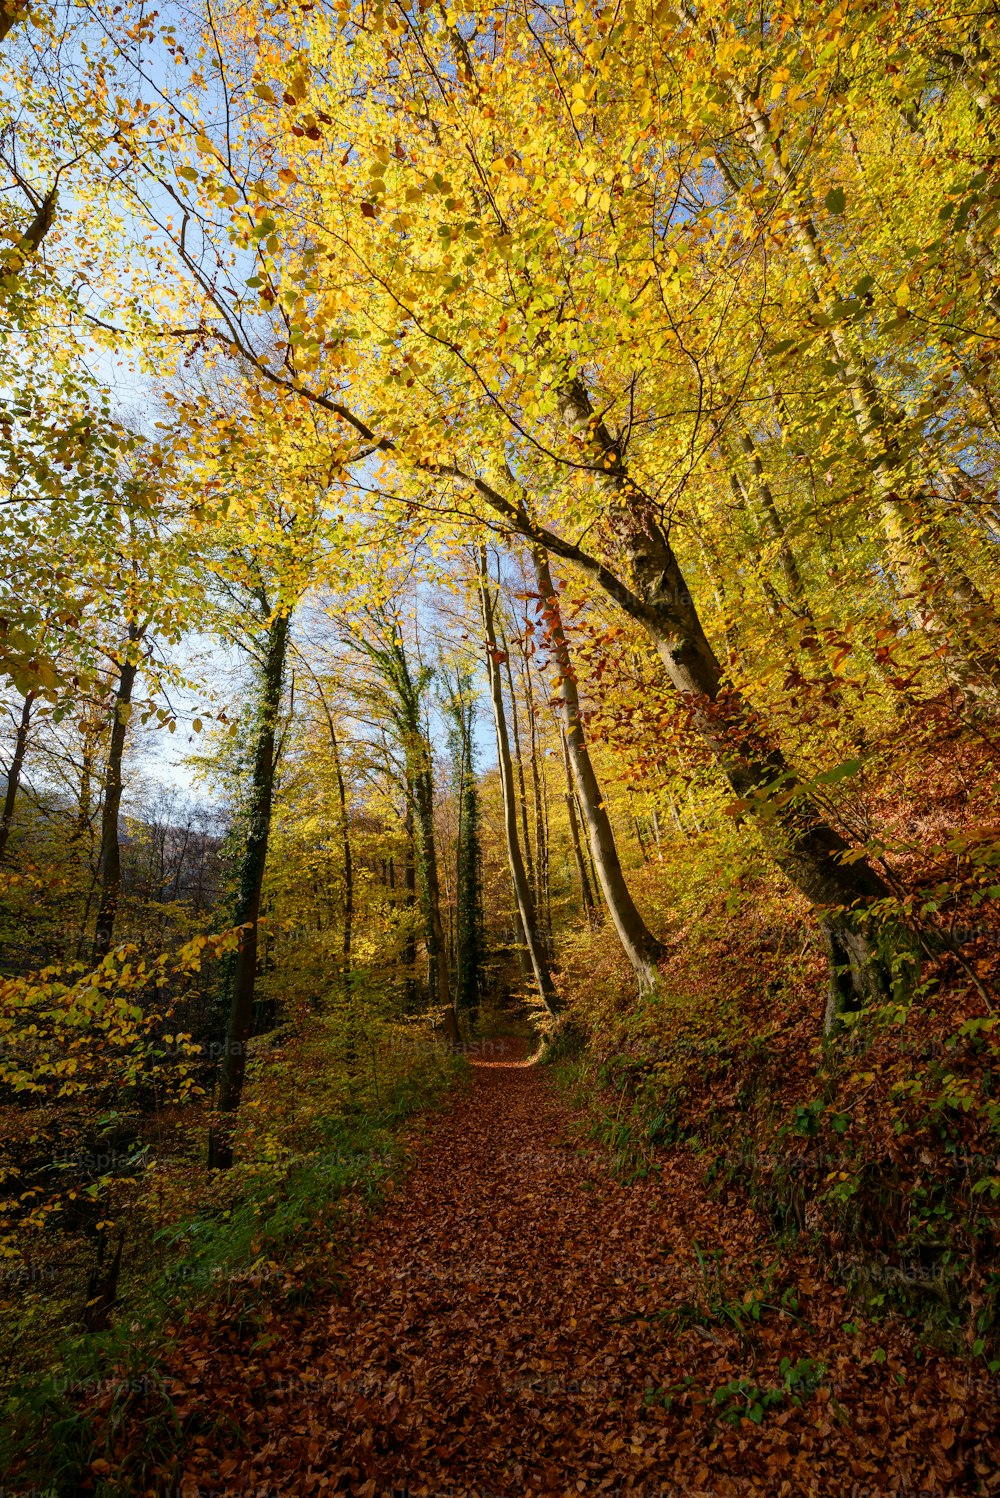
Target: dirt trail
{"points": [[499, 1330]]}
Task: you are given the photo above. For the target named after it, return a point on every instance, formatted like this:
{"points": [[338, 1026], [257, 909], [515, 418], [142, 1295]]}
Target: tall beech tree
{"points": [[272, 537], [401, 692], [253, 828], [641, 947], [470, 943], [14, 768], [345, 838], [110, 854], [809, 851], [523, 896]]}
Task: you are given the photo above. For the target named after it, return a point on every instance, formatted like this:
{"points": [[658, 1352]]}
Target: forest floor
{"points": [[516, 1321]]}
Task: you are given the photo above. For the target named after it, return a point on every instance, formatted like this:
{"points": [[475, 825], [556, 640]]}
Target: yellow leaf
{"points": [[903, 294]]}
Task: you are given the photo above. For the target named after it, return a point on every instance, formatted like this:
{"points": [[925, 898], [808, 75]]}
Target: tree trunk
{"points": [[925, 572], [643, 850], [10, 14], [110, 860], [250, 883], [529, 857], [437, 952], [522, 890], [520, 939], [350, 1048], [348, 868], [541, 821], [764, 515], [467, 924], [586, 895], [546, 871], [641, 947], [805, 847], [14, 773], [765, 511], [986, 260], [409, 953], [345, 837], [102, 1284], [655, 822], [400, 695], [726, 621]]}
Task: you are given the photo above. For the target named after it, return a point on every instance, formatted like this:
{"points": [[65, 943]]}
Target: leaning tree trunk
{"points": [[641, 947], [111, 857], [249, 886], [519, 878], [808, 850]]}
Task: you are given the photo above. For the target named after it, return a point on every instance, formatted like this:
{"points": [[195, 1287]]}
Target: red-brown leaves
{"points": [[515, 1322]]}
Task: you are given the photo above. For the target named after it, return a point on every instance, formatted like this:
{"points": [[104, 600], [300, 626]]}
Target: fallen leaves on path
{"points": [[517, 1322]]}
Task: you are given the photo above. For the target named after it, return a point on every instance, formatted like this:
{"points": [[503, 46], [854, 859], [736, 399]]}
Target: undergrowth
{"points": [[279, 1241], [876, 1154], [742, 1399]]}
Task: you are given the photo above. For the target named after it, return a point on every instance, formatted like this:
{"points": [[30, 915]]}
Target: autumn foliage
{"points": [[499, 530]]}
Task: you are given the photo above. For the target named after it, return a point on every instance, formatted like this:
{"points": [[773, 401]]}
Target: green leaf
{"points": [[835, 200], [839, 772]]}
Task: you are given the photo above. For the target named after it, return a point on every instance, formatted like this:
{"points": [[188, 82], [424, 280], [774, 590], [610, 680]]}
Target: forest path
{"points": [[497, 1332]]}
